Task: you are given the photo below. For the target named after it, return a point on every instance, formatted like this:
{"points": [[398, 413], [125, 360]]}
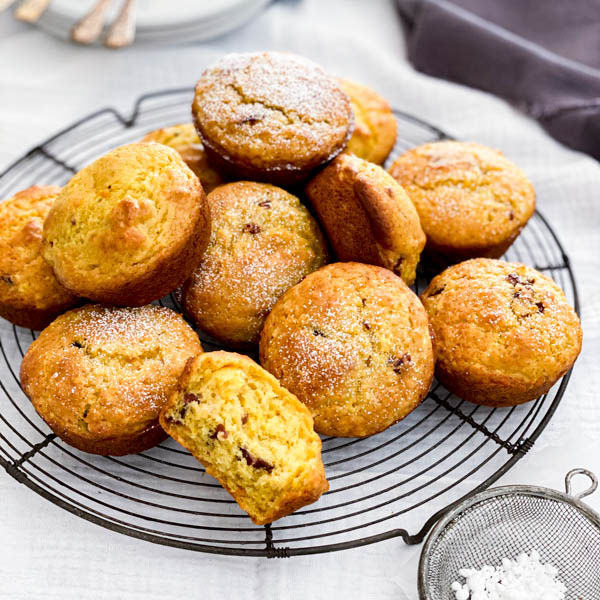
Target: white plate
{"points": [[160, 20]]}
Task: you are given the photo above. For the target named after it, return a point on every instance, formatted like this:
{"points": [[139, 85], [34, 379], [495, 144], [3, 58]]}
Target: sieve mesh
{"points": [[504, 522]]}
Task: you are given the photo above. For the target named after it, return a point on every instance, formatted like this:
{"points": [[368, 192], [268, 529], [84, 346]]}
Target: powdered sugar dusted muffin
{"points": [[270, 116], [263, 241], [472, 200], [185, 140], [99, 376], [504, 333], [128, 228], [254, 436], [30, 295], [367, 216], [352, 342], [375, 125]]}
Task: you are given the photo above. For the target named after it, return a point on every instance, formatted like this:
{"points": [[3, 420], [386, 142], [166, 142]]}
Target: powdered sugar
{"points": [[272, 111], [281, 82], [525, 578]]}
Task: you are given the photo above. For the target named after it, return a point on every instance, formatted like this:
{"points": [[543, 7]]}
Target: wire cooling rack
{"points": [[444, 451]]}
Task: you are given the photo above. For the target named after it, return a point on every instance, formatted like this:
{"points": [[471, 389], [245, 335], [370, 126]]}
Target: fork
{"points": [[90, 27], [122, 31], [31, 10]]}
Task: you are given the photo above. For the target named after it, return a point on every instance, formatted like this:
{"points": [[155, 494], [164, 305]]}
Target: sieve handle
{"points": [[586, 492]]}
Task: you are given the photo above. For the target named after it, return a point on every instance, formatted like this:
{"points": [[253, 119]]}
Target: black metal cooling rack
{"points": [[444, 451]]}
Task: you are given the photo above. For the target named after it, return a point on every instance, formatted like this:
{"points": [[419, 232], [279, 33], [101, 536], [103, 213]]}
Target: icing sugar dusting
{"points": [[286, 82], [525, 578], [263, 241], [272, 110], [351, 341], [109, 365]]}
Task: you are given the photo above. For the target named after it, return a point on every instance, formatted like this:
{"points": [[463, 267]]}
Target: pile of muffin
{"points": [[290, 158]]}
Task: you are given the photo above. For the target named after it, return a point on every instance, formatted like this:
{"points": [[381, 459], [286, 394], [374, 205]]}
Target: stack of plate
{"points": [[160, 20]]}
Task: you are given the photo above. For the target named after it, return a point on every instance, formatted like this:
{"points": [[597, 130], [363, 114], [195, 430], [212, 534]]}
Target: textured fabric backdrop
{"points": [[46, 553], [542, 56]]}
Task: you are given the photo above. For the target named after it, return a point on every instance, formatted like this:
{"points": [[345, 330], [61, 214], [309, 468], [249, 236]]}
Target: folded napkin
{"points": [[543, 56]]}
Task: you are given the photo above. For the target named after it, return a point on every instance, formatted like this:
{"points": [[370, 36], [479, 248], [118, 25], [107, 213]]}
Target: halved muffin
{"points": [[253, 435]]}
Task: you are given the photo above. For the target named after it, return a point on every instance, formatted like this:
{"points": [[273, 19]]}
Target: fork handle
{"points": [[122, 31], [31, 10], [89, 28]]}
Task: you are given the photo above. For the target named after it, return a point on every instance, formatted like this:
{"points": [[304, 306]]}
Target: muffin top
{"points": [[375, 125], [367, 215], [26, 279], [263, 241], [496, 319], [468, 196], [272, 111], [352, 342], [99, 373], [121, 219], [185, 140]]}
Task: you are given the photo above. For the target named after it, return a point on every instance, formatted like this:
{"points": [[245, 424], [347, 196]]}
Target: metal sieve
{"points": [[506, 521]]}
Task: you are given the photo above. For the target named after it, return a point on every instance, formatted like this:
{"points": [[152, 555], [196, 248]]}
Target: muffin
{"points": [[128, 228], [503, 333], [263, 241], [367, 216], [374, 123], [99, 375], [185, 140], [352, 342], [251, 434], [30, 295], [472, 201], [270, 116]]}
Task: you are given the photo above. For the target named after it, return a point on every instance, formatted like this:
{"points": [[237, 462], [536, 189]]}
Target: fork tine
{"points": [[90, 27], [122, 31], [31, 10]]}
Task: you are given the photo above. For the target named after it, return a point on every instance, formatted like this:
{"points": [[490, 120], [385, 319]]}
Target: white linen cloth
{"points": [[46, 84]]}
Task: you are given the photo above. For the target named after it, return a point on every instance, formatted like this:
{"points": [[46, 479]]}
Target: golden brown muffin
{"points": [[352, 342], [30, 295], [504, 333], [128, 228], [254, 436], [367, 216], [263, 242], [472, 201], [374, 123], [185, 140], [99, 376], [270, 116]]}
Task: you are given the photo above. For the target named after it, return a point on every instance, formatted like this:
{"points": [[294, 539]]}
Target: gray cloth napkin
{"points": [[542, 56]]}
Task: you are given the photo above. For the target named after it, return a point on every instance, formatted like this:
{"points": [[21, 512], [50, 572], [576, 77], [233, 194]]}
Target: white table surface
{"points": [[45, 84]]}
